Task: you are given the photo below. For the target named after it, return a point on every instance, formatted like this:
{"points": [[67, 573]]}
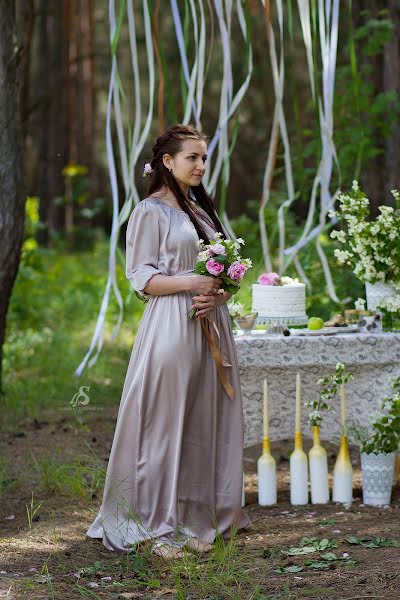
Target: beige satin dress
{"points": [[175, 468]]}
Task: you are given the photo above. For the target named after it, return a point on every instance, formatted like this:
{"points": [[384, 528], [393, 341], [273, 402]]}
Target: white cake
{"points": [[279, 300]]}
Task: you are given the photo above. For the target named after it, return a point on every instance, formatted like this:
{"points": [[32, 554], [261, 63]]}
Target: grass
{"points": [[79, 479], [50, 323]]}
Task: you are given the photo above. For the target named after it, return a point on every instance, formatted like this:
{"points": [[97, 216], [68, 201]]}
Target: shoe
{"points": [[193, 543], [167, 551]]}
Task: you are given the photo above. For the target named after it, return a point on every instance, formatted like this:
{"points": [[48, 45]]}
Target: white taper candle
{"points": [[265, 420], [298, 403]]}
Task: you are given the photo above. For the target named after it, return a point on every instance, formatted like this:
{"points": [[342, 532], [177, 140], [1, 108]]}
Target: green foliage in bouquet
{"points": [[384, 433]]}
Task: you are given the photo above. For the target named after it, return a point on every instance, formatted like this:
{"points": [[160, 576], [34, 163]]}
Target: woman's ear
{"points": [[167, 161]]}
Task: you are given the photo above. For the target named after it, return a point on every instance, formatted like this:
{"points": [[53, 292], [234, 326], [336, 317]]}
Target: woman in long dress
{"points": [[174, 474]]}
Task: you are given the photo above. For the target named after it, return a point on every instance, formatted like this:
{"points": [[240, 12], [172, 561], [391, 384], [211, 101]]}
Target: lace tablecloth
{"points": [[374, 360]]}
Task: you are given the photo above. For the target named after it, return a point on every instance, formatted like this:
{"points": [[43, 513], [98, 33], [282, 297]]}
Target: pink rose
{"points": [[216, 249], [214, 267], [269, 279], [237, 270]]}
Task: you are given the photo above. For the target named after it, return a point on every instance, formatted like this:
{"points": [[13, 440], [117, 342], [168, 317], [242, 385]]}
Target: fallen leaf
{"points": [[329, 556], [299, 551], [291, 569]]}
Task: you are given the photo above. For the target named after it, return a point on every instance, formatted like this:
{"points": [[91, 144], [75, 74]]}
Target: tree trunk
{"points": [[12, 198], [391, 80]]}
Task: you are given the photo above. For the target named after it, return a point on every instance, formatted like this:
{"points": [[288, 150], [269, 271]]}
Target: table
{"points": [[373, 358]]}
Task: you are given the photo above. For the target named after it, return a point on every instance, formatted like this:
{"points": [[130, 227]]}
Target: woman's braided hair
{"points": [[170, 142]]}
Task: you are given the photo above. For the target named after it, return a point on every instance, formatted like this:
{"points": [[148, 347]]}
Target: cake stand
{"points": [[278, 324]]}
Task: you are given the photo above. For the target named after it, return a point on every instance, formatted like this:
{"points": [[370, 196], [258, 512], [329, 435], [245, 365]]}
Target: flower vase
{"points": [[266, 469], [298, 473], [377, 478], [343, 474], [318, 470]]}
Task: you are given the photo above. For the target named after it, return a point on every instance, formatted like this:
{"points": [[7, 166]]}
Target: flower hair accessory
{"points": [[148, 170]]}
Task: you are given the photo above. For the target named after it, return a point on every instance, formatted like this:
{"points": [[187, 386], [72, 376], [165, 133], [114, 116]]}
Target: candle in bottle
{"points": [[266, 418], [298, 403]]}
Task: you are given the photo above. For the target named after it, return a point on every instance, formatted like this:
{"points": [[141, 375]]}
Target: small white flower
{"points": [[339, 235], [342, 255], [359, 304], [285, 280], [148, 170]]}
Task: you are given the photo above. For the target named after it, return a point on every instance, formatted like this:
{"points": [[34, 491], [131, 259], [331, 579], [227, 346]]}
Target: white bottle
{"points": [[343, 474], [298, 474], [318, 471], [266, 468]]}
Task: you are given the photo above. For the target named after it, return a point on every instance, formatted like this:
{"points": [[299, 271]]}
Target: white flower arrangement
{"points": [[390, 304], [372, 248], [359, 304], [236, 310]]}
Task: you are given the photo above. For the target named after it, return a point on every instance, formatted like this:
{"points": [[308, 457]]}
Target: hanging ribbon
{"points": [[211, 333]]}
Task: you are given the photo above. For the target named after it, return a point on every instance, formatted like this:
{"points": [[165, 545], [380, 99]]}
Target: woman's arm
{"points": [[163, 285]]}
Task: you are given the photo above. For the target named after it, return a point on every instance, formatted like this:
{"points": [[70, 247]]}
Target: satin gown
{"points": [[175, 467]]}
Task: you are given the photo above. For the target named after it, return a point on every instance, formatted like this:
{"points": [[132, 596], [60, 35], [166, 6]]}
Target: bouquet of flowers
{"points": [[372, 247], [221, 258]]}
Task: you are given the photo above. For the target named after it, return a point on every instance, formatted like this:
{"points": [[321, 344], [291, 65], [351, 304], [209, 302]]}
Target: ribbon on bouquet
{"points": [[211, 333]]}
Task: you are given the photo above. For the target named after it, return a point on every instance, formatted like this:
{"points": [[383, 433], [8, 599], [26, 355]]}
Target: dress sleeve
{"points": [[142, 246]]}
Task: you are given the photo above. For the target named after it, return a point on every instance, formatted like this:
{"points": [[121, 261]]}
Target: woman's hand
{"points": [[206, 303], [204, 285]]}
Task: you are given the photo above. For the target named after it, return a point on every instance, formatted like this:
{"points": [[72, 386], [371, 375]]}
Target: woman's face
{"points": [[188, 165]]}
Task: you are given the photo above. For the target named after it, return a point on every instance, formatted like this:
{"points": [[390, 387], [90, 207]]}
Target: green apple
{"points": [[315, 323]]}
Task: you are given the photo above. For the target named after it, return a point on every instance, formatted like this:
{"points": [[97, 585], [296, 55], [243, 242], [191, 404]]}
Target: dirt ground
{"points": [[46, 561]]}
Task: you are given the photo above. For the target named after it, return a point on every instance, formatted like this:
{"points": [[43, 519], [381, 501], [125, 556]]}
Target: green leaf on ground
{"points": [[306, 541], [329, 556], [299, 551], [291, 569], [351, 539], [372, 542], [327, 522], [316, 564]]}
